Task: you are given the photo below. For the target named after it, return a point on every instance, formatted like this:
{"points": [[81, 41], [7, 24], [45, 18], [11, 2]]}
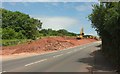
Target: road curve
{"points": [[84, 58]]}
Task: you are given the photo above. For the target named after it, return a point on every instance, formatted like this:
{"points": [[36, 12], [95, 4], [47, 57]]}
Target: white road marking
{"points": [[69, 52], [57, 55], [75, 50], [40, 61], [29, 64], [35, 62], [79, 45], [81, 48], [62, 54]]}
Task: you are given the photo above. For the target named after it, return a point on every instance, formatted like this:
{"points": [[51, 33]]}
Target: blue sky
{"points": [[57, 15]]}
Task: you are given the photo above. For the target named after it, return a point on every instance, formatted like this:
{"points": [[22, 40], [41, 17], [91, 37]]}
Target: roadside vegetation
{"points": [[50, 32], [18, 28], [105, 18], [17, 25], [11, 42]]}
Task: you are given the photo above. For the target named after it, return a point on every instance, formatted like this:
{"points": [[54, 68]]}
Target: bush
{"points": [[20, 35], [8, 33]]}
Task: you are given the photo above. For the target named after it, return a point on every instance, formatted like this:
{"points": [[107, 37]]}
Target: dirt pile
{"points": [[44, 44]]}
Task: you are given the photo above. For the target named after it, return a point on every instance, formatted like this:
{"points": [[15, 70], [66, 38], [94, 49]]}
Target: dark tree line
{"points": [[61, 32], [105, 19]]}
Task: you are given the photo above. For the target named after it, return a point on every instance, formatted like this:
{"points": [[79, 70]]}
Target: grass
{"points": [[12, 42]]}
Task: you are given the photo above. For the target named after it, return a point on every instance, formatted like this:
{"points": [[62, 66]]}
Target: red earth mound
{"points": [[44, 44]]}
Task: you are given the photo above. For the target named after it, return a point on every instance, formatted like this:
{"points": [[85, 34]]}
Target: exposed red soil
{"points": [[44, 44]]}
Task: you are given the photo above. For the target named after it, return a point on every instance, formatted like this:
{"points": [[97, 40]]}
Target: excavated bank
{"points": [[44, 45]]}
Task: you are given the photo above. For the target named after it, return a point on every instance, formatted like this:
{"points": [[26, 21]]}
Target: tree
{"points": [[19, 35], [8, 33], [105, 19], [21, 22], [61, 32]]}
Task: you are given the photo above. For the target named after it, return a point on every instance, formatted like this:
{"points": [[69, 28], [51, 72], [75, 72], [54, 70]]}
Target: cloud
{"points": [[54, 3], [57, 23], [84, 7]]}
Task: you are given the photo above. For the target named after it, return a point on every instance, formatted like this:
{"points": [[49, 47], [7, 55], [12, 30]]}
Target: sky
{"points": [[71, 16]]}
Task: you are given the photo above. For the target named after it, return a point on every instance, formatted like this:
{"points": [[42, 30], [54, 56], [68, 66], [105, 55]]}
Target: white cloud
{"points": [[58, 22], [84, 7], [54, 3]]}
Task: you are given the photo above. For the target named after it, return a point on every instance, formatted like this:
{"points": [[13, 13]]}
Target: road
{"points": [[84, 58]]}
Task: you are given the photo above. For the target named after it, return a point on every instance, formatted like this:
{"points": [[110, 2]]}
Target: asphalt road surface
{"points": [[84, 58]]}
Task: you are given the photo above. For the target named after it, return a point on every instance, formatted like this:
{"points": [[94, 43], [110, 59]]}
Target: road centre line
{"points": [[79, 45], [35, 62], [40, 61], [69, 52], [29, 64], [75, 50], [68, 48], [57, 55]]}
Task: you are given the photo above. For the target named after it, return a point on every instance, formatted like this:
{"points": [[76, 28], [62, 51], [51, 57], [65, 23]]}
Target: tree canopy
{"points": [[61, 32], [105, 19], [19, 24]]}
